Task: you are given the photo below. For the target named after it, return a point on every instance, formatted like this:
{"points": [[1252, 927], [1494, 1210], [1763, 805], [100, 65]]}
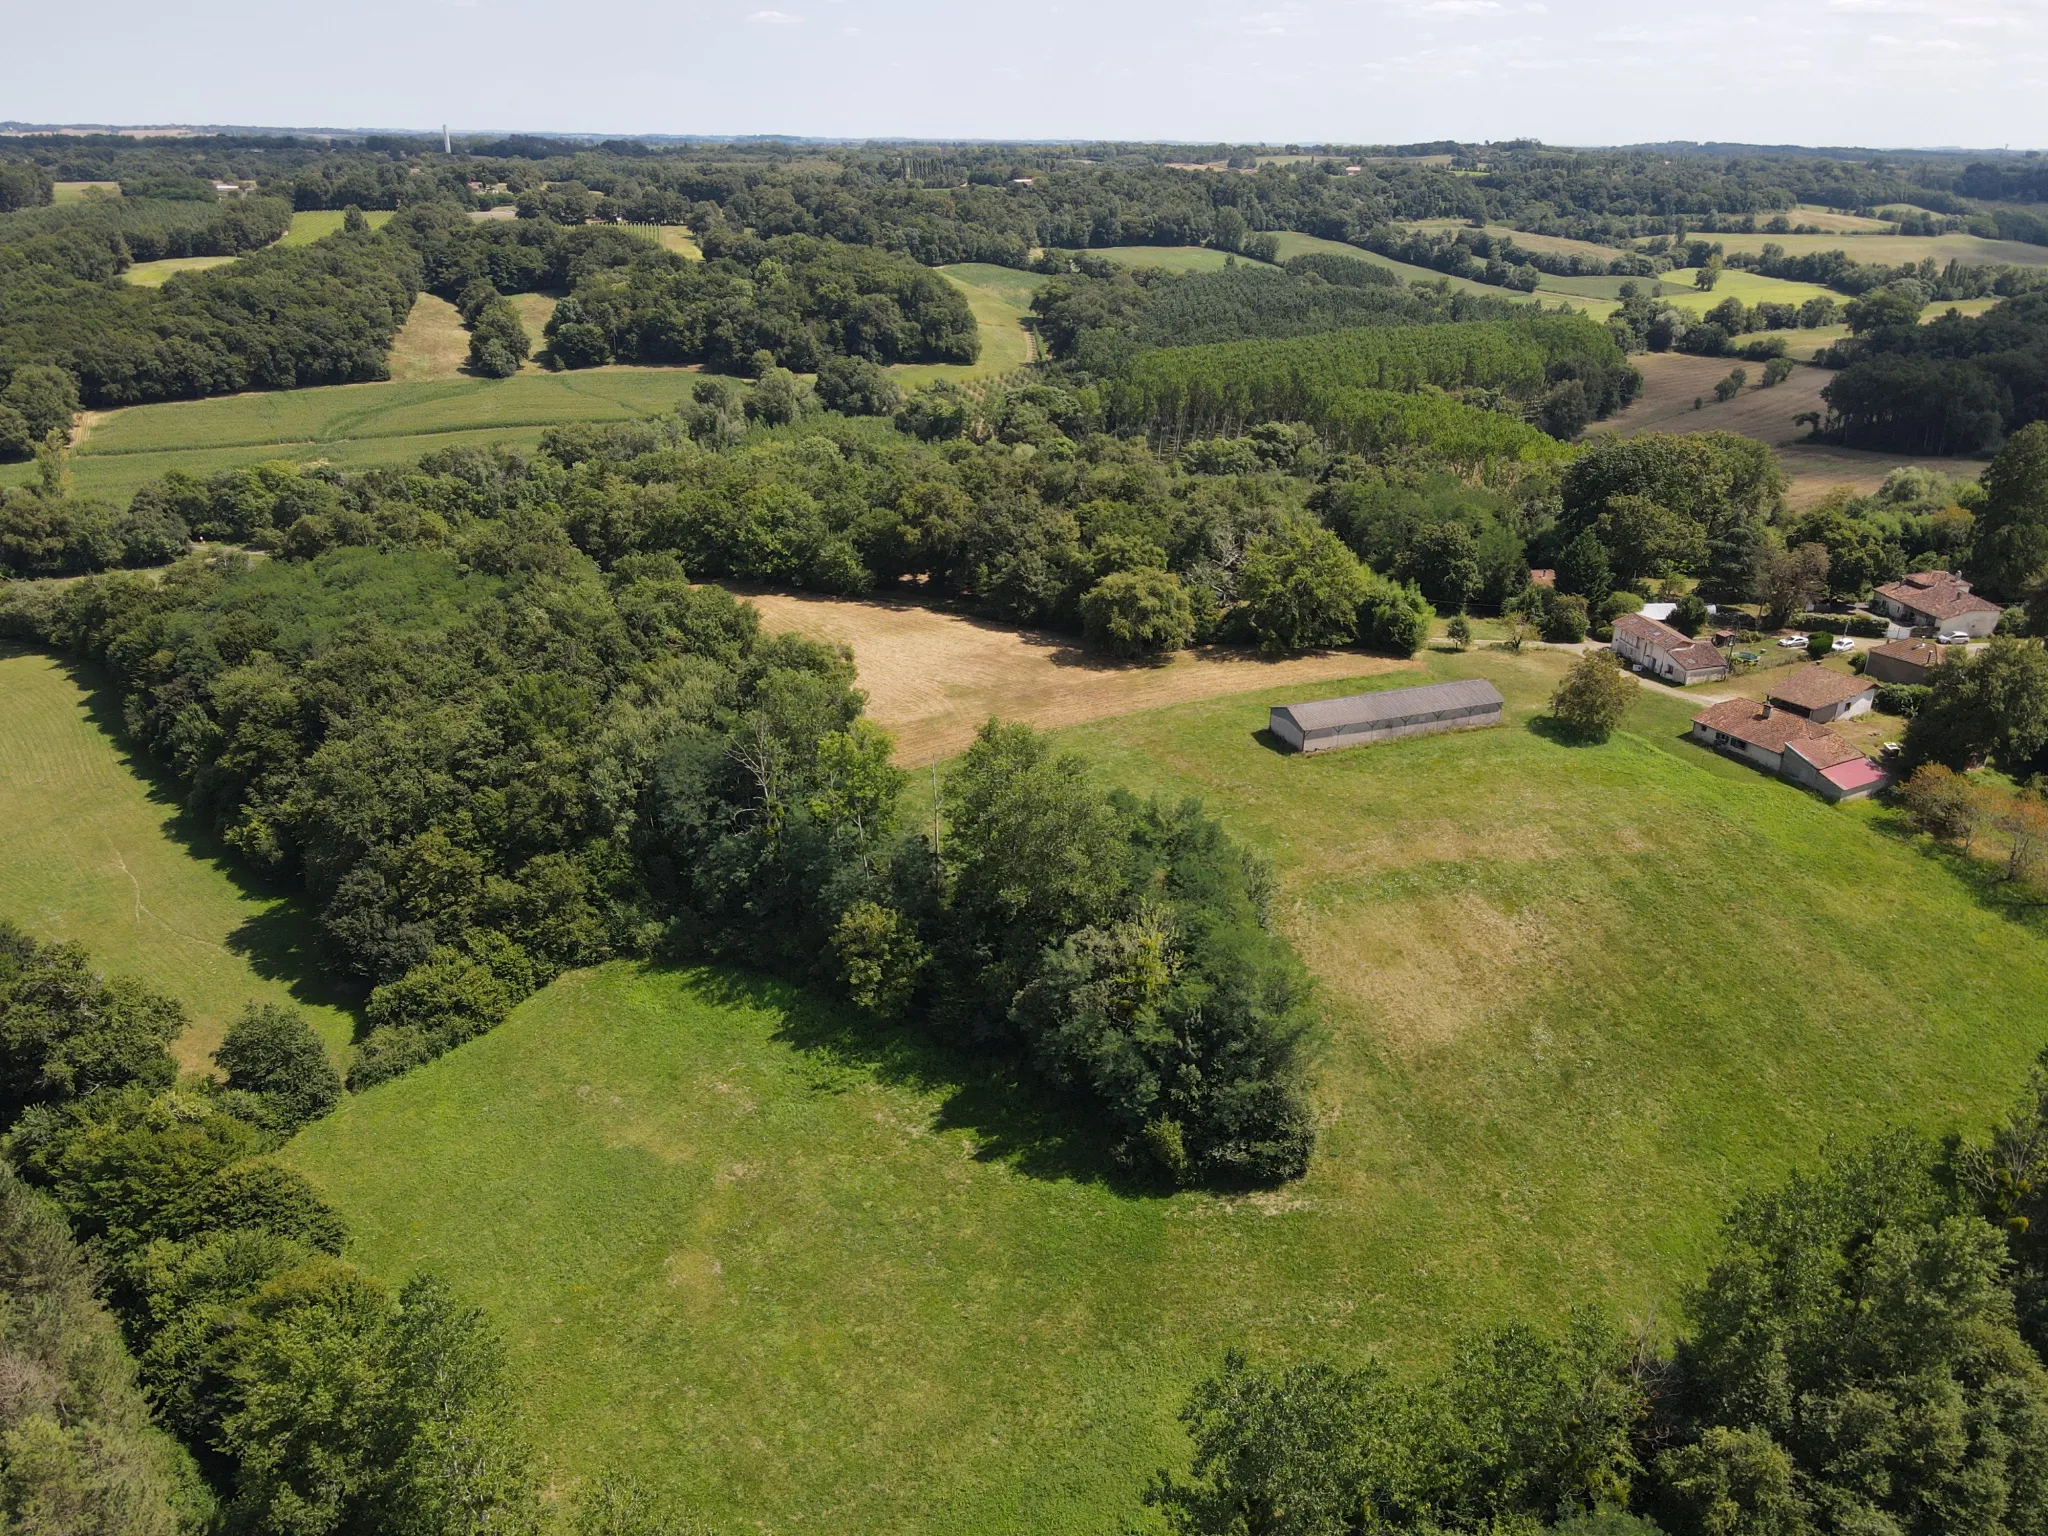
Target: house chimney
{"points": [[1767, 711]]}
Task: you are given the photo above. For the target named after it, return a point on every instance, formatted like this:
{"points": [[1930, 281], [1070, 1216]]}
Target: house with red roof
{"points": [[1663, 651], [1789, 745], [1937, 600]]}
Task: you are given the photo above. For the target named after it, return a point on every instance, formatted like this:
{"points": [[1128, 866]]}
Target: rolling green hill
{"points": [[822, 1275]]}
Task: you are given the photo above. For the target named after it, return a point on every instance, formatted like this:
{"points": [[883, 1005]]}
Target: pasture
{"points": [[432, 344], [1679, 286], [819, 1273], [93, 850], [76, 191], [1832, 223], [309, 225], [1000, 299], [1896, 250], [154, 274], [356, 424], [1174, 258]]}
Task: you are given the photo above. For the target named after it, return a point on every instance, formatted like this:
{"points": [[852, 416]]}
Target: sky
{"points": [[1882, 73]]}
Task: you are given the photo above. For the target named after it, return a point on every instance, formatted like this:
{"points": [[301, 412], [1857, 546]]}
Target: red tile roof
{"points": [[1937, 594], [1815, 687], [1692, 655], [1760, 725], [1825, 751], [1920, 653]]}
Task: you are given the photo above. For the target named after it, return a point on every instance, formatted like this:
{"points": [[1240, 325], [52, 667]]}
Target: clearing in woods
{"points": [[1673, 380], [154, 274], [434, 343], [821, 1274], [75, 191], [932, 678], [1000, 299], [94, 852], [355, 425], [319, 223]]}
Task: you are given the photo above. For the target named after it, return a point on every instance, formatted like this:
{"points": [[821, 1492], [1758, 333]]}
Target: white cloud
{"points": [[1463, 7], [1881, 7], [775, 18]]}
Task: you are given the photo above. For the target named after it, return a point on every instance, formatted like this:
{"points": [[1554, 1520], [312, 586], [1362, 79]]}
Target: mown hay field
{"points": [[93, 851], [823, 1274]]}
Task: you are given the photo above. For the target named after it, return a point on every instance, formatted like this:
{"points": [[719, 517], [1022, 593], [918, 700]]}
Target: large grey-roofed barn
{"points": [[1321, 724]]}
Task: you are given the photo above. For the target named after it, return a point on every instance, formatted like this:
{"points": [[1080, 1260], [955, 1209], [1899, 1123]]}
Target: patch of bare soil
{"points": [[933, 678], [1672, 381]]}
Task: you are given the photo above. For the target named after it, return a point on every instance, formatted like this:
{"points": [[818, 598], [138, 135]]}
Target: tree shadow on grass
{"points": [[1013, 1119], [1984, 879], [279, 941], [1555, 731]]}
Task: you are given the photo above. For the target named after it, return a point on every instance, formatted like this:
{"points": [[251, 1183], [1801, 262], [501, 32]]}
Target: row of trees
{"points": [[487, 760]]}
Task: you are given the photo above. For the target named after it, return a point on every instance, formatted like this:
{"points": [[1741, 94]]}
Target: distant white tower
{"points": [[446, 147]]}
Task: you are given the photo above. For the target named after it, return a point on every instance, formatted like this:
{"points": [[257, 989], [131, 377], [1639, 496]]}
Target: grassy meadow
{"points": [[1896, 250], [428, 403], [309, 225], [1750, 287], [93, 850], [75, 191], [822, 1274], [357, 424], [154, 274]]}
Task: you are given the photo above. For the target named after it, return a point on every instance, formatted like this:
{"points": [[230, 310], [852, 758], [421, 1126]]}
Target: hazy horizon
{"points": [[1875, 73]]}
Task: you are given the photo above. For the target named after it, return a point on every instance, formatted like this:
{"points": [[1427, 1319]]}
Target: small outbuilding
{"points": [[1822, 695], [1903, 661], [1321, 724]]}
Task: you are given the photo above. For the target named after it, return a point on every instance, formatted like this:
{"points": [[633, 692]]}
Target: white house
{"points": [[1937, 600], [1789, 745], [1660, 649]]}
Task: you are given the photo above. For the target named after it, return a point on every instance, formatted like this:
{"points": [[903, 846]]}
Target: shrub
{"points": [[1819, 646], [879, 957], [1595, 696], [1564, 620], [1902, 699], [854, 386], [272, 1052], [1394, 617], [389, 1052], [1141, 612], [1459, 631], [1690, 616]]}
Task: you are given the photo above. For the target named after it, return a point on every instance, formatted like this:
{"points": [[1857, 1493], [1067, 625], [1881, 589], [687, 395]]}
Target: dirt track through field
{"points": [[932, 678], [1673, 380]]}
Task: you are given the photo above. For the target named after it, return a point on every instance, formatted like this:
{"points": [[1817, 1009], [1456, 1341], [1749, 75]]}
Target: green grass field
{"points": [[154, 274], [819, 1275], [1896, 250], [1000, 298], [1750, 287], [318, 224], [92, 851], [1596, 305], [357, 424], [428, 405], [75, 191], [1174, 258]]}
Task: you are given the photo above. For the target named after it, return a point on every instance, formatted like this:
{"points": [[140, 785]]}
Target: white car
{"points": [[1954, 637], [1790, 641], [1843, 643]]}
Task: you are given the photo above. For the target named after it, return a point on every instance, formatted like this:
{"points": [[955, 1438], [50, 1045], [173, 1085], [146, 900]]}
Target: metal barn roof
{"points": [[1388, 706]]}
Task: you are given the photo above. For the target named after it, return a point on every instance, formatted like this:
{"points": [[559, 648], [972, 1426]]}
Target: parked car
{"points": [[1954, 637], [1843, 643], [1790, 641]]}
